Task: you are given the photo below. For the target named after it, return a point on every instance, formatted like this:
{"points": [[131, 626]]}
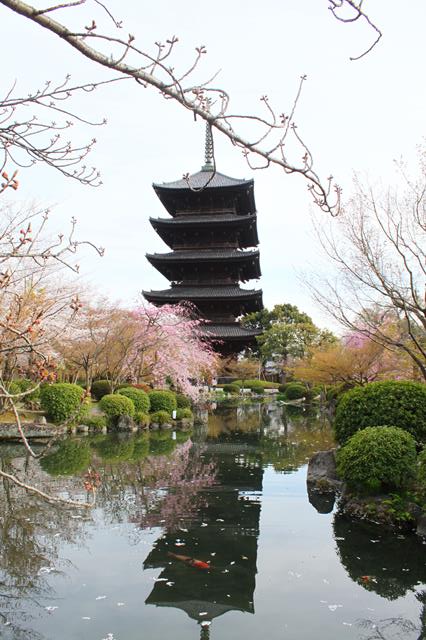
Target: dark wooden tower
{"points": [[212, 235]]}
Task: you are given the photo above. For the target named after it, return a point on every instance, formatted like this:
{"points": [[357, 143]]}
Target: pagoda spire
{"points": [[208, 150]]}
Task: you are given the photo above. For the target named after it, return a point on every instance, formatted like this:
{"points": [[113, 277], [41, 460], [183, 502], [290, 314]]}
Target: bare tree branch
{"points": [[209, 103]]}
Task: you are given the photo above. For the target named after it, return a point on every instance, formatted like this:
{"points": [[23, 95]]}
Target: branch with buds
{"points": [[272, 130]]}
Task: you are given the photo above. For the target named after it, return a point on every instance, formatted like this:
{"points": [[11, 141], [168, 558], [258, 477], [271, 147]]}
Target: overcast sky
{"points": [[355, 116]]}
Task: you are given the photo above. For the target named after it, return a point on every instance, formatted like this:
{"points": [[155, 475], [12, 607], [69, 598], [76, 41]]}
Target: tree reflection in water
{"points": [[31, 532], [386, 563]]}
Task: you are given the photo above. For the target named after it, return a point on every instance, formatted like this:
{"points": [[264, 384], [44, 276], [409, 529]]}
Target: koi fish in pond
{"points": [[193, 562]]}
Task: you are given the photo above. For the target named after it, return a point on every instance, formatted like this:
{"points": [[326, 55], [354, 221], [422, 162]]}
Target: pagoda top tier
{"points": [[207, 190]]}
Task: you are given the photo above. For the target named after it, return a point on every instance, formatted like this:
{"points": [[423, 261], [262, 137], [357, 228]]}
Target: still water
{"points": [[231, 495]]}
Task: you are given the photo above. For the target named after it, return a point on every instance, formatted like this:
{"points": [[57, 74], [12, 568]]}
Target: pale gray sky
{"points": [[353, 115]]}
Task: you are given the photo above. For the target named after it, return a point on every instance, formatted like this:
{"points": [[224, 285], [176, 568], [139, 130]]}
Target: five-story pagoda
{"points": [[212, 235]]}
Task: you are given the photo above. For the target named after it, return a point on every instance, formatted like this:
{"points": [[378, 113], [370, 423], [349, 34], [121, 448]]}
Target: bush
{"points": [[100, 388], [184, 414], [161, 417], [248, 384], [295, 391], [142, 419], [377, 459], [139, 398], [421, 474], [162, 401], [24, 385], [60, 401], [231, 388], [400, 403], [95, 422], [72, 456], [182, 401], [114, 406]]}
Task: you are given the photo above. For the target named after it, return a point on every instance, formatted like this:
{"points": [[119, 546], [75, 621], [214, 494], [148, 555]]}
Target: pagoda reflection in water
{"points": [[225, 533]]}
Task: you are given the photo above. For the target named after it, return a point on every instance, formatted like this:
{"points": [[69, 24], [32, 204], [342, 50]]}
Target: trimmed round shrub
{"points": [[256, 386], [71, 457], [231, 388], [184, 414], [162, 401], [142, 419], [421, 474], [295, 391], [139, 398], [182, 401], [114, 406], [95, 422], [100, 388], [400, 403], [161, 417], [60, 401], [377, 459]]}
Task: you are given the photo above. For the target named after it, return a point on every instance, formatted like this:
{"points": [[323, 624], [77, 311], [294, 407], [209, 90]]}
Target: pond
{"points": [[208, 534]]}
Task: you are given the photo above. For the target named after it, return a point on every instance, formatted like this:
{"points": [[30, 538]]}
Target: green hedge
{"points": [[161, 417], [95, 422], [139, 398], [185, 413], [231, 388], [142, 419], [400, 403], [60, 401], [248, 384], [377, 459], [162, 401], [114, 406], [100, 388], [295, 391]]}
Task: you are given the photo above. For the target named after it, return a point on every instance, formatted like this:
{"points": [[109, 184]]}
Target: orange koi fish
{"points": [[193, 562]]}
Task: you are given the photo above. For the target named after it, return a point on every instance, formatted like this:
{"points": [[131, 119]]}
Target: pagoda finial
{"points": [[208, 150]]}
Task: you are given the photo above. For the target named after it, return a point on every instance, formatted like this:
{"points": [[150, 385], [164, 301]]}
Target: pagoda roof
{"points": [[173, 230], [200, 179], [196, 192], [175, 265], [205, 292], [205, 255], [191, 220], [228, 331]]}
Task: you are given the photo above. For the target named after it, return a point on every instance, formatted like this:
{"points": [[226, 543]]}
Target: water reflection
{"points": [[204, 496]]}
